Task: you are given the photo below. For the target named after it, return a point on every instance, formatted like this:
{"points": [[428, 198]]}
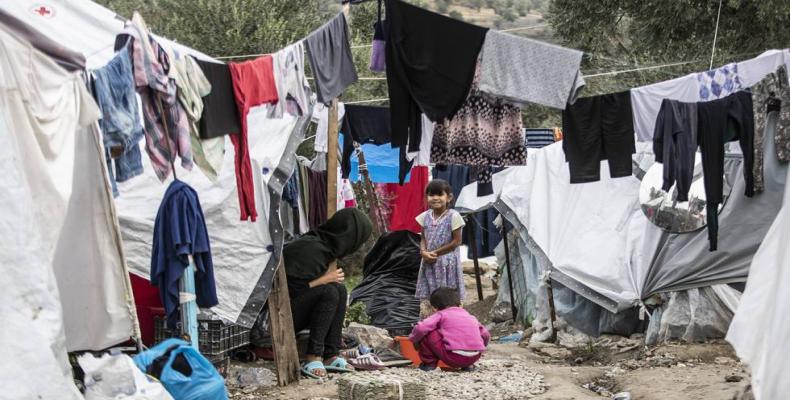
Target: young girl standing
{"points": [[441, 236]]}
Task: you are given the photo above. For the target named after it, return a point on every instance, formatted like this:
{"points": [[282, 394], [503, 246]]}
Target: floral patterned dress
{"points": [[446, 271]]}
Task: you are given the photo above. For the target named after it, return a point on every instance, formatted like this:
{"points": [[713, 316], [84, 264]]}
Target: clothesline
{"points": [[366, 46]]}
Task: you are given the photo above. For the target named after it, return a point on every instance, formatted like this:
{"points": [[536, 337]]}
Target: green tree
{"points": [[457, 15], [229, 27]]}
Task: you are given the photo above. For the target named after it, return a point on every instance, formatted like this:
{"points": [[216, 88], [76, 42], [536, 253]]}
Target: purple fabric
{"points": [[446, 271], [377, 54], [458, 329], [432, 349]]}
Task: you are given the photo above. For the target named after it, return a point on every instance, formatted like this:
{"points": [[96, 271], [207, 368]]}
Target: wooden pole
{"points": [[470, 230], [552, 310], [286, 356], [331, 161], [513, 308], [370, 192]]}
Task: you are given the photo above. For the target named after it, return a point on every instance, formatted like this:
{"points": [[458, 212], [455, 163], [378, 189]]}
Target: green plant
{"points": [[356, 313]]}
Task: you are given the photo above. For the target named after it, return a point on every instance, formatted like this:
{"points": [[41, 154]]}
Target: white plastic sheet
{"points": [[44, 128], [582, 229], [760, 329]]}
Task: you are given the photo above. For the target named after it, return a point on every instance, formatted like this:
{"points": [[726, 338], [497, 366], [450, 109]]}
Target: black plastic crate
{"points": [[215, 338]]}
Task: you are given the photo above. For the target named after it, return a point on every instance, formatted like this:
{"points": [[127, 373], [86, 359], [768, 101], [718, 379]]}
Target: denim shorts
{"points": [[120, 122]]}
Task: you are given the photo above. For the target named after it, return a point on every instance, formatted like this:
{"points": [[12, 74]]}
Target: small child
{"points": [[441, 236], [451, 335]]}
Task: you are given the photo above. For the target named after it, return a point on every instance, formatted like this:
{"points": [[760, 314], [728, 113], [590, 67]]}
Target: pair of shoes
{"points": [[427, 368]]}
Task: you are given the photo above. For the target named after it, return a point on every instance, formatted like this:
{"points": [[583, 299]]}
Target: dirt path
{"points": [[693, 371]]}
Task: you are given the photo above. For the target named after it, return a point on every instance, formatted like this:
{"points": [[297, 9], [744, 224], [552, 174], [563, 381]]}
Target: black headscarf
{"points": [[308, 257]]}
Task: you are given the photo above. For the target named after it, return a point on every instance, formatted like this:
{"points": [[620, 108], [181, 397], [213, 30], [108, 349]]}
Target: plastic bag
{"points": [[390, 281], [693, 315], [115, 377], [202, 383]]}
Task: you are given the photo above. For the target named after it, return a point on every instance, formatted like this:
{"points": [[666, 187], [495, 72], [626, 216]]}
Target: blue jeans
{"points": [[120, 122]]}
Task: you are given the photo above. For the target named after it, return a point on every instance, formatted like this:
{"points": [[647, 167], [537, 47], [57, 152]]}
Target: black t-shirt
{"points": [[220, 114]]}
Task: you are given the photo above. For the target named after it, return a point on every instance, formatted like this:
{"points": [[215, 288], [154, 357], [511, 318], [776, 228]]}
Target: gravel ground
{"points": [[494, 379]]}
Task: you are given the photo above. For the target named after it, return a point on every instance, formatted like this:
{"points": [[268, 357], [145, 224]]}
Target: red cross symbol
{"points": [[42, 11]]}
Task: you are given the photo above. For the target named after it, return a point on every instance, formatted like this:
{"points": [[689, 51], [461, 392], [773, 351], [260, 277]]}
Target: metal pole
{"points": [[470, 229], [513, 308]]}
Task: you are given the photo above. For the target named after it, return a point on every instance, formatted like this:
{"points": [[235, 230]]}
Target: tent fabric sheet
{"points": [[245, 254], [80, 25], [59, 258], [598, 242], [760, 326], [583, 230]]}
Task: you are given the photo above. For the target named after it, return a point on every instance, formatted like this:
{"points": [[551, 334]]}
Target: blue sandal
{"points": [[309, 369], [339, 364]]}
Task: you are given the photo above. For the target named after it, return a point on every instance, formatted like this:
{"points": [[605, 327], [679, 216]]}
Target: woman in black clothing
{"points": [[315, 285]]}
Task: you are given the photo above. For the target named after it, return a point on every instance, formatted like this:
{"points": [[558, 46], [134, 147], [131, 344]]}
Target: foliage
{"points": [[456, 15], [622, 33], [229, 27], [356, 313]]}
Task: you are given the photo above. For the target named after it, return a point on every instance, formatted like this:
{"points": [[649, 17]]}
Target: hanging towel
{"points": [[528, 71], [417, 38], [253, 85], [330, 59], [180, 231]]}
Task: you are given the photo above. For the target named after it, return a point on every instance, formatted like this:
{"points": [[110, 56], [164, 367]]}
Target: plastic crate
{"points": [[215, 338]]}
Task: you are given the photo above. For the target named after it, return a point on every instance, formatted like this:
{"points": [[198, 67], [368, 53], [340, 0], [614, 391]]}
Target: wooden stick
{"points": [[552, 310], [286, 356], [470, 229], [331, 161], [370, 192], [513, 308]]}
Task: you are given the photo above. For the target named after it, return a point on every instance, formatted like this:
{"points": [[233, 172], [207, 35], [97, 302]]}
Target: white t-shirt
{"points": [[457, 222], [321, 117]]}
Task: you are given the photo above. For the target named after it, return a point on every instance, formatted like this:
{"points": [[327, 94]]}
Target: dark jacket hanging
{"points": [[430, 66], [180, 231]]}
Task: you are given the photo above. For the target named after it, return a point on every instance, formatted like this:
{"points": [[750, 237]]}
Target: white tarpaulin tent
{"points": [[242, 251], [760, 329], [80, 220], [65, 285]]}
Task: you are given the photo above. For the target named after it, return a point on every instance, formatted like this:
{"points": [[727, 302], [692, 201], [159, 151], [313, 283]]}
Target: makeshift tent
{"points": [[245, 254], [595, 240], [81, 239], [66, 285]]}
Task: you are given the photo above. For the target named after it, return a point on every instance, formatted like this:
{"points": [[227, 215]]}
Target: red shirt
{"points": [[253, 85]]}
